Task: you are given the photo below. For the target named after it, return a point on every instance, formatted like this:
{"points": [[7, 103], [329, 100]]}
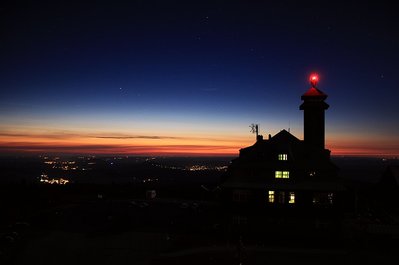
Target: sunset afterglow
{"points": [[143, 79]]}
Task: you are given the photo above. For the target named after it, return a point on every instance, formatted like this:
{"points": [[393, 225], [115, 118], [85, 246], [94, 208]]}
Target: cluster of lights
{"points": [[150, 180], [221, 168], [197, 168], [167, 167], [193, 167], [54, 181], [86, 157], [55, 163], [203, 168], [67, 165]]}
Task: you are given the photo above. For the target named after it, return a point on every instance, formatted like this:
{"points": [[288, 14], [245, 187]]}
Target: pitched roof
{"points": [[263, 149], [284, 137]]}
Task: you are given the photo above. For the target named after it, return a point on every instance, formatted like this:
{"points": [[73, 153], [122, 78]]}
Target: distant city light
{"points": [[58, 181]]}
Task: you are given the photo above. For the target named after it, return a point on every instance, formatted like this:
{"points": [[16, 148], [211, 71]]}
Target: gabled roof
{"points": [[265, 151], [281, 141], [284, 137]]}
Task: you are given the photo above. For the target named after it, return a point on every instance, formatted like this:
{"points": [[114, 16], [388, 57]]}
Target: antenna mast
{"points": [[255, 129]]}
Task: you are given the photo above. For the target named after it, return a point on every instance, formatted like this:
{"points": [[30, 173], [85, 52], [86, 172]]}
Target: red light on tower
{"points": [[314, 79]]}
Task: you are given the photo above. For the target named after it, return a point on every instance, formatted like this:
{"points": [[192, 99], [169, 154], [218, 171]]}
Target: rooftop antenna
{"points": [[289, 126], [255, 129]]}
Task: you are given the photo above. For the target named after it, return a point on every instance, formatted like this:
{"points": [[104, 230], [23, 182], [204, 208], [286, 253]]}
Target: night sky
{"points": [[189, 77]]}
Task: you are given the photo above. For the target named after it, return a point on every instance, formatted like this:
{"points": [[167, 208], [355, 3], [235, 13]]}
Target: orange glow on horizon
{"points": [[352, 145], [121, 144], [200, 150], [37, 142], [362, 152], [162, 149]]}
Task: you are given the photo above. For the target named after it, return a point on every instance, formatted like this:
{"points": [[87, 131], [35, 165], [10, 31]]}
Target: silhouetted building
{"points": [[387, 188], [283, 171]]}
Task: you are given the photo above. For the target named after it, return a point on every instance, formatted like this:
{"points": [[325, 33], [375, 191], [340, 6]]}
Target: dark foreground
{"points": [[171, 231], [87, 223]]}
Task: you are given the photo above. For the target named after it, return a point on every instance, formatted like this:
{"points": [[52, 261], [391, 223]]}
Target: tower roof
{"points": [[314, 92]]}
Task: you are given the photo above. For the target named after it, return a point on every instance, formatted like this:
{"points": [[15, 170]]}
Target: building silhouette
{"points": [[284, 171], [386, 191]]}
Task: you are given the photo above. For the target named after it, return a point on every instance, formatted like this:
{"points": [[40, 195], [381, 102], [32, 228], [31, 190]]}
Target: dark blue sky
{"points": [[199, 67]]}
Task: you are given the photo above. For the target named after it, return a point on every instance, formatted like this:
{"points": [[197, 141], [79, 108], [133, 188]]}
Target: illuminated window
{"points": [[271, 196], [282, 175], [282, 157], [292, 197]]}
